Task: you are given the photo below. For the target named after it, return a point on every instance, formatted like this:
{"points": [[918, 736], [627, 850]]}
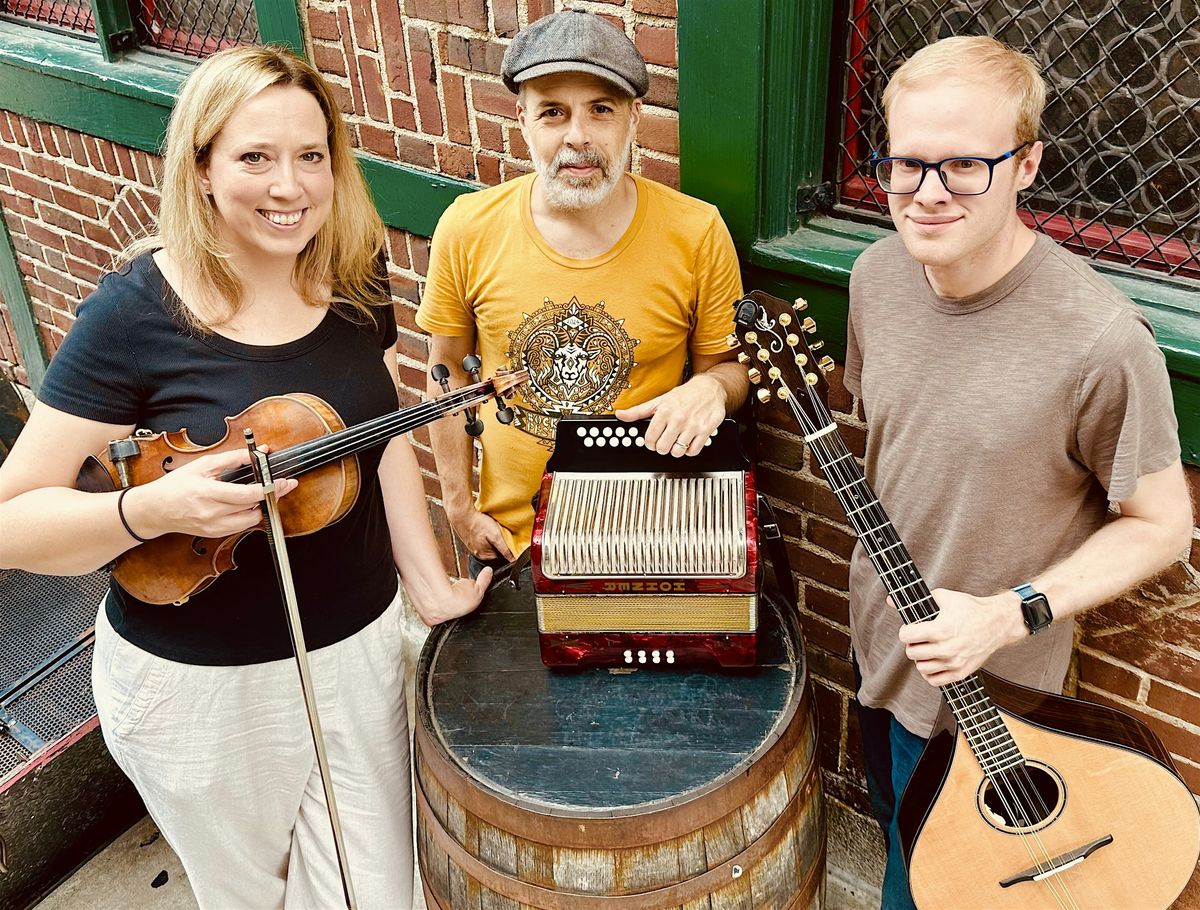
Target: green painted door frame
{"points": [[12, 289]]}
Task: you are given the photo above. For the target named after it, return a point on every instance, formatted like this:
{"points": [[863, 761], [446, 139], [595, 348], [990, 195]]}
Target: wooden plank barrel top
{"points": [[597, 742]]}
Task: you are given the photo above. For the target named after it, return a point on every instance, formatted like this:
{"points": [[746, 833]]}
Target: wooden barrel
{"points": [[616, 789]]}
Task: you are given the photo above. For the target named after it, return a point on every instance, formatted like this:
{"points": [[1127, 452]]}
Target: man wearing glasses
{"points": [[1011, 394]]}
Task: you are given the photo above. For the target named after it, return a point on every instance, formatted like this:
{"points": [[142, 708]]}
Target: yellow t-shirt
{"points": [[595, 334]]}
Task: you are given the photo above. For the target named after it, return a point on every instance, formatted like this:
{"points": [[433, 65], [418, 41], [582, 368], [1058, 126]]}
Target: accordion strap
{"points": [[777, 551]]}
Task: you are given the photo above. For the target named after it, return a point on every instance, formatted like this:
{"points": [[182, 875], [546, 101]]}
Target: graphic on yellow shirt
{"points": [[579, 358]]}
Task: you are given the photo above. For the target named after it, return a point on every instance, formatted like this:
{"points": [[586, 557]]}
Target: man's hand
{"points": [[462, 597], [966, 632], [481, 533], [682, 419]]}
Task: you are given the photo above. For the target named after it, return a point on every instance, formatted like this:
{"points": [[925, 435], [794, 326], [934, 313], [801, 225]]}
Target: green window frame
{"points": [[754, 99]]}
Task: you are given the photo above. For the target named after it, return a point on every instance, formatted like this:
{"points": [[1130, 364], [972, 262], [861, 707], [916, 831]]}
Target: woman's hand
{"points": [[192, 500], [459, 599]]}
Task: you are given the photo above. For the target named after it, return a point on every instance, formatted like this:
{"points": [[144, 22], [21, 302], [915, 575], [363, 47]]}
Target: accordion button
{"points": [[654, 656], [626, 441], [581, 431], [670, 657], [641, 657], [587, 441], [593, 431], [628, 657]]}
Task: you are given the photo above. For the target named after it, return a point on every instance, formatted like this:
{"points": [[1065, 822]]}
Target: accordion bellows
{"points": [[644, 559]]}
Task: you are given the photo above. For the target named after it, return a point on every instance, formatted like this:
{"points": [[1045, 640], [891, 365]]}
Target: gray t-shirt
{"points": [[1000, 426]]}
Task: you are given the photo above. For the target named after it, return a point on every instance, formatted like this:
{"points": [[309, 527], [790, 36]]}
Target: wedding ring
{"points": [[682, 445]]}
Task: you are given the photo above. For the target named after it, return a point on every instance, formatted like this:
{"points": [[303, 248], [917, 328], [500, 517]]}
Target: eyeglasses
{"points": [[962, 176]]}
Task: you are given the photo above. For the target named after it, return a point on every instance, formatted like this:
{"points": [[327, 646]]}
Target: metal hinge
{"points": [[817, 197], [122, 41]]}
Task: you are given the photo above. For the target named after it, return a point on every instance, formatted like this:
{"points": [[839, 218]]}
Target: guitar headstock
{"points": [[782, 361]]}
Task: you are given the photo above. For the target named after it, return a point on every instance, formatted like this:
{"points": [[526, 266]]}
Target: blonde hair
{"points": [[977, 59], [343, 256]]}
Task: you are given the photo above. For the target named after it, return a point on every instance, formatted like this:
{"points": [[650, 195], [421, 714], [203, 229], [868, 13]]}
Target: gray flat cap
{"points": [[573, 41]]}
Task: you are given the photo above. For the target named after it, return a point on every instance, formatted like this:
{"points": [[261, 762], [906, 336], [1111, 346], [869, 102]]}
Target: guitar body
{"points": [[1111, 793]]}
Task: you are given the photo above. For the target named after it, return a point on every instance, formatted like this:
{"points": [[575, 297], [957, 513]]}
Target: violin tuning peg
{"points": [[474, 428], [439, 372], [505, 415], [826, 364], [471, 363], [809, 325], [764, 395], [800, 305], [743, 357]]}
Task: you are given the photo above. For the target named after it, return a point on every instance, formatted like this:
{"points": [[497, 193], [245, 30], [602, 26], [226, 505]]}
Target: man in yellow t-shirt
{"points": [[599, 282]]}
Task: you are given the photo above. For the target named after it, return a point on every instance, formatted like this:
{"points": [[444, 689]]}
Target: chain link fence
{"points": [[69, 15], [1120, 176], [194, 28]]}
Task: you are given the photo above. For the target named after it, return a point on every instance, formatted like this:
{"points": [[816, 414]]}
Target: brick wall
{"points": [[418, 81]]}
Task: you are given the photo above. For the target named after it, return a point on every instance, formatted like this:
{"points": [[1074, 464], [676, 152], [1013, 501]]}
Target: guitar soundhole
{"points": [[1022, 799]]}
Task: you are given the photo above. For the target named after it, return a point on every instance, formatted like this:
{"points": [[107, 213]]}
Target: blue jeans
{"points": [[890, 754]]}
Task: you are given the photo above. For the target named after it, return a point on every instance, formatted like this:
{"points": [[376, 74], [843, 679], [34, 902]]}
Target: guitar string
{"points": [[844, 482], [1019, 813]]}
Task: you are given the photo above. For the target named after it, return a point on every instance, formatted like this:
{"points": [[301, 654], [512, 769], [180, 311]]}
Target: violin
{"points": [[307, 440]]}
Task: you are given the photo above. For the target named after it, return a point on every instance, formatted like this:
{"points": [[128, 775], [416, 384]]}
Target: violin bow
{"points": [[283, 571]]}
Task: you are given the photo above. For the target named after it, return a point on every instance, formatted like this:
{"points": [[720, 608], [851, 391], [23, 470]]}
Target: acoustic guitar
{"points": [[1026, 799]]}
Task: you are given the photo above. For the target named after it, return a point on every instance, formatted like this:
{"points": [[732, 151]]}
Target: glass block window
{"points": [[194, 28], [69, 15], [1120, 177]]}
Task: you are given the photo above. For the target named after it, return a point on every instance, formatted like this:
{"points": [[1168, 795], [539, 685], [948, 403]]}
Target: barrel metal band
{"points": [[505, 885]]}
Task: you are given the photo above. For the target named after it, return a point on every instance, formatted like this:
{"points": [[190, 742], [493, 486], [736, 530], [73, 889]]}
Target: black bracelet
{"points": [[121, 515]]}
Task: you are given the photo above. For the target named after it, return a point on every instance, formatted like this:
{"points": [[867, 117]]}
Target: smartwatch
{"points": [[1035, 608]]}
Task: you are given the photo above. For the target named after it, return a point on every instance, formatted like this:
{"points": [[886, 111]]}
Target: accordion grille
{"points": [[648, 613], [639, 525]]}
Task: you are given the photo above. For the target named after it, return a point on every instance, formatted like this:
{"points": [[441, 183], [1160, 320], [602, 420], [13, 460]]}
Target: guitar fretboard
{"points": [[977, 717]]}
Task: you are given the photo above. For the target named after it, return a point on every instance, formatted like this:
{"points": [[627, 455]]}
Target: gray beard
{"points": [[564, 196]]}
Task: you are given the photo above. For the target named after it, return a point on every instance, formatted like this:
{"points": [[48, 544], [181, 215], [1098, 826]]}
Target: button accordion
{"points": [[641, 559]]}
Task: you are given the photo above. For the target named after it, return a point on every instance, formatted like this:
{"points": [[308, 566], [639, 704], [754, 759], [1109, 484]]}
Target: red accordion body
{"points": [[641, 559]]}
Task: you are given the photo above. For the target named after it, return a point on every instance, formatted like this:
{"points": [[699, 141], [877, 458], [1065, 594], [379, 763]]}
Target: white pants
{"points": [[224, 760]]}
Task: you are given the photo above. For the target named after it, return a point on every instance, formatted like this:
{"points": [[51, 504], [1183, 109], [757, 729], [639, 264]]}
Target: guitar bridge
{"points": [[1058, 864]]}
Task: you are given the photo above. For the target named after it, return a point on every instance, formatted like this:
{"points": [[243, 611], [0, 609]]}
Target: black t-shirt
{"points": [[129, 360]]}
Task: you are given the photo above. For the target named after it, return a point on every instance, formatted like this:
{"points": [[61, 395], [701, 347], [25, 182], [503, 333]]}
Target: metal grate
{"points": [[71, 15], [195, 28], [1120, 177], [40, 615]]}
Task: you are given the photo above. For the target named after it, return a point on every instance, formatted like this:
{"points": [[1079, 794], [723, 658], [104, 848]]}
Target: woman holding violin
{"points": [[263, 280]]}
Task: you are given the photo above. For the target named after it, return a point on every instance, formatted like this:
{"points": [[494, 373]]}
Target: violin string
{"points": [[922, 607], [305, 456]]}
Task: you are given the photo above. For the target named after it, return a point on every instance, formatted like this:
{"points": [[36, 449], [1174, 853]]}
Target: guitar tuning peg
{"points": [[782, 394], [800, 305], [812, 378], [743, 357], [785, 318], [816, 345], [801, 360], [732, 340], [755, 375], [751, 337], [792, 339], [764, 395], [764, 355], [826, 364], [809, 325], [774, 373]]}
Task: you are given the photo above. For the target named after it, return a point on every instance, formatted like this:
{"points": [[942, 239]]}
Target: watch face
{"points": [[1036, 610]]}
